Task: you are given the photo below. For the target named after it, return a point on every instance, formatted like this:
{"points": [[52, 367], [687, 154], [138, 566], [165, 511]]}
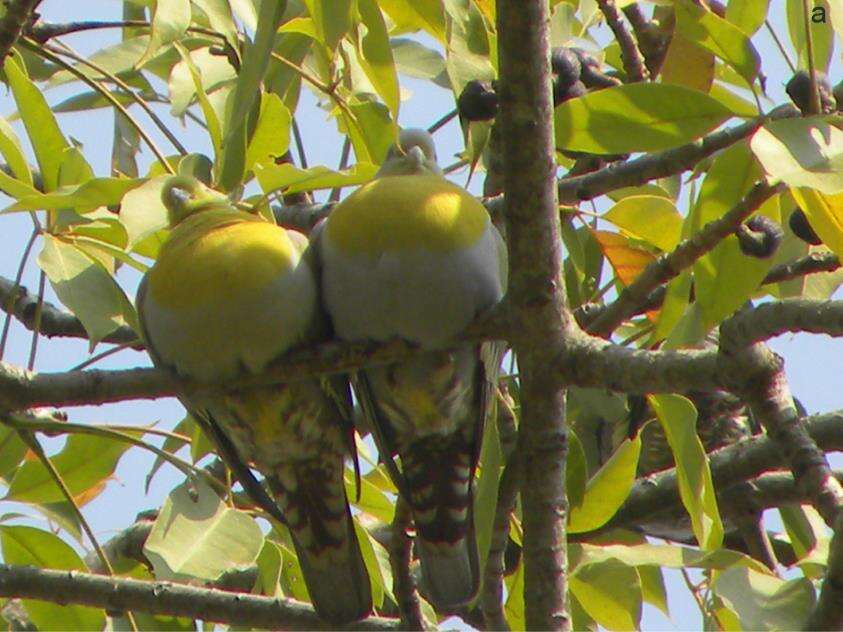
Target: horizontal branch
{"points": [[208, 604], [18, 302], [670, 265], [772, 319], [661, 164], [729, 466]]}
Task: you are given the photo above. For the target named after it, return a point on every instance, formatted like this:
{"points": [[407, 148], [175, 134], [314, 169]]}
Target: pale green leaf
{"points": [[271, 138], [376, 558], [747, 15], [220, 19], [822, 33], [85, 464], [243, 97], [468, 48], [375, 54], [801, 152], [765, 602], [86, 288], [653, 219], [719, 37], [203, 71], [598, 589], [274, 177], [678, 418], [332, 20], [636, 117], [607, 490], [28, 546], [82, 198], [197, 536], [170, 20], [12, 151], [43, 130], [142, 212]]}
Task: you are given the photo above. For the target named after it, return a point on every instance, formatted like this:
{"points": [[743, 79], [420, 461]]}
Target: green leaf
{"points": [[86, 288], [272, 134], [636, 117], [332, 20], [417, 60], [822, 33], [28, 546], [653, 590], [653, 219], [725, 277], [747, 15], [765, 602], [412, 15], [576, 471], [664, 555], [678, 418], [373, 501], [142, 212], [12, 451], [718, 36], [376, 558], [199, 79], [220, 19], [273, 177], [269, 563], [514, 606], [246, 90], [468, 48], [801, 152], [85, 463], [375, 54], [607, 490], [597, 588], [486, 488], [197, 536], [43, 130], [12, 151], [170, 20], [82, 198]]}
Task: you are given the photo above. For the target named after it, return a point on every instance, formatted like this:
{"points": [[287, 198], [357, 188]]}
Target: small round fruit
{"points": [[759, 237], [566, 67], [799, 91], [478, 101], [560, 95], [802, 229]]}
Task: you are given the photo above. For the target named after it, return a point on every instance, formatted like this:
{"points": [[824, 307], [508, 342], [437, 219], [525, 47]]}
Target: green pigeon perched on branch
{"points": [[411, 255], [230, 294]]}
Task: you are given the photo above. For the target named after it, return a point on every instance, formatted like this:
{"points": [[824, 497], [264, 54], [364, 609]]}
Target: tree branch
{"points": [[400, 557], [633, 62], [18, 13], [208, 604], [18, 302], [755, 373], [661, 164], [536, 297], [670, 265], [729, 466]]}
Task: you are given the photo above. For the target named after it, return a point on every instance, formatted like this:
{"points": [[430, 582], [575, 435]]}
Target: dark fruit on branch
{"points": [[759, 237], [802, 229], [478, 101], [560, 95], [566, 67], [799, 91], [591, 74]]}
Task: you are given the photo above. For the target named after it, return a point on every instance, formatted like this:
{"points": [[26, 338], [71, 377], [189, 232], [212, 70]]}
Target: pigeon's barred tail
{"points": [[438, 472], [313, 500]]}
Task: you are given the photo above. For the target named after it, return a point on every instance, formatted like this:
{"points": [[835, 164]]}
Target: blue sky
{"points": [[813, 363]]}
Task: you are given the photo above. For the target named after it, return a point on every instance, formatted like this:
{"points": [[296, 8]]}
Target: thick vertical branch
{"points": [[536, 298], [400, 557]]}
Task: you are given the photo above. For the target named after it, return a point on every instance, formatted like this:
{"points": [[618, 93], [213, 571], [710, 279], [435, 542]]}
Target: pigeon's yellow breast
{"points": [[395, 213]]}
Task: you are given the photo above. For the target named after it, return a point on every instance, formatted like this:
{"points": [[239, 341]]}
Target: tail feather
{"points": [[439, 471], [313, 499]]}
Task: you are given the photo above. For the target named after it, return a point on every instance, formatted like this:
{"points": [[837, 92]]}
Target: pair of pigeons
{"points": [[408, 255]]}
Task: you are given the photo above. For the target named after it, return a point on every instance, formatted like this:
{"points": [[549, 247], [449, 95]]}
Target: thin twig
{"points": [[633, 62], [400, 558]]}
